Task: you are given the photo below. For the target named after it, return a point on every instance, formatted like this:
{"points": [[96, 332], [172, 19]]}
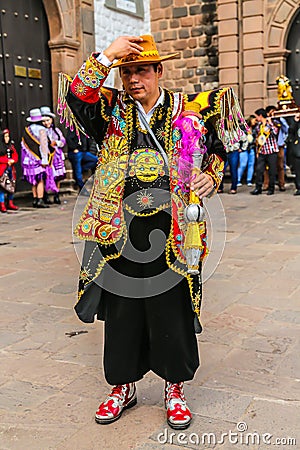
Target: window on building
{"points": [[131, 7]]}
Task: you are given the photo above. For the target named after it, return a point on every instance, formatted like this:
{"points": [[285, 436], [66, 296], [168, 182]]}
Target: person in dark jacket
{"points": [[79, 155]]}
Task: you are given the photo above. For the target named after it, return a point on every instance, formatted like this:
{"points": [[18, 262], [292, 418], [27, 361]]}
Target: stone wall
{"points": [[109, 24], [190, 28]]}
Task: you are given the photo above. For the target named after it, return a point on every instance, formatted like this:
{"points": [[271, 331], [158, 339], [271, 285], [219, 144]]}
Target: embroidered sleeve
{"points": [[214, 167], [89, 79]]}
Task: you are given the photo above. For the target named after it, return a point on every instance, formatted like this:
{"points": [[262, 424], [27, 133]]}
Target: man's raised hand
{"points": [[123, 46]]}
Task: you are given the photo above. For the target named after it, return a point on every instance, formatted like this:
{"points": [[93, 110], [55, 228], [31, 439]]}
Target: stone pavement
{"points": [[51, 384]]}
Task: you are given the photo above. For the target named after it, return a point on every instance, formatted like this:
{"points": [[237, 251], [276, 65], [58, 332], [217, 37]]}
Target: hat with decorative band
{"points": [[46, 111], [149, 55], [35, 115]]}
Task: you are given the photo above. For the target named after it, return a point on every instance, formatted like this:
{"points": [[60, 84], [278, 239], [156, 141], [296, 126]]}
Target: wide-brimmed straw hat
{"points": [[46, 111], [149, 55], [35, 115]]}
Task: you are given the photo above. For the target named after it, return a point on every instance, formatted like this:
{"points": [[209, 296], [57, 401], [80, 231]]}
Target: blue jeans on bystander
{"points": [[232, 161], [82, 161], [246, 159]]}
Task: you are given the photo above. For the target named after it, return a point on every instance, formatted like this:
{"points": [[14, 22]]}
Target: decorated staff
{"points": [[193, 149]]}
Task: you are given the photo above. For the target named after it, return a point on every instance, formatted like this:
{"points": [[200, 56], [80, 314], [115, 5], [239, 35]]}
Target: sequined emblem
{"points": [[145, 199], [146, 165], [80, 89]]}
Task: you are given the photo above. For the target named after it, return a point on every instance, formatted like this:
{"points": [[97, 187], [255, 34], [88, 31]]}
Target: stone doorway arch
{"points": [[276, 51], [71, 26]]}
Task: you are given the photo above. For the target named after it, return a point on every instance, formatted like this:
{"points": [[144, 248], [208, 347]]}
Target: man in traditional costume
{"points": [[150, 305]]}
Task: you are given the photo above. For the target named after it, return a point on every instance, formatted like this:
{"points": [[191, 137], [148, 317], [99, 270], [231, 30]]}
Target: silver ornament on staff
{"points": [[194, 216]]}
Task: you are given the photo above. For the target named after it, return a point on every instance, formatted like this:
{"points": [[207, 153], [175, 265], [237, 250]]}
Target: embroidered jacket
{"points": [[110, 116]]}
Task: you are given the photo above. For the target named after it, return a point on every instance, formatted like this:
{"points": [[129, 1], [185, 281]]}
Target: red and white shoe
{"points": [[179, 416], [122, 396]]}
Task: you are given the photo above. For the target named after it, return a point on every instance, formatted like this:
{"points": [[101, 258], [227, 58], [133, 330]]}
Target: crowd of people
{"points": [[43, 160], [268, 144], [263, 153]]}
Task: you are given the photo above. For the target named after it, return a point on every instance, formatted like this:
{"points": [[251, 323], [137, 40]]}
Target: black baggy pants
{"points": [[148, 333]]}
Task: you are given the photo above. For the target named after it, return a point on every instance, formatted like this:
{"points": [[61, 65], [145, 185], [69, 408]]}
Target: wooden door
{"points": [[25, 66]]}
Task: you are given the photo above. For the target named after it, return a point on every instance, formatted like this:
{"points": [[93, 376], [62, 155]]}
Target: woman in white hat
{"points": [[36, 157], [57, 142]]}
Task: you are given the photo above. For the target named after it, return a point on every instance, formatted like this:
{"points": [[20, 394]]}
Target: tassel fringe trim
{"points": [[63, 110]]}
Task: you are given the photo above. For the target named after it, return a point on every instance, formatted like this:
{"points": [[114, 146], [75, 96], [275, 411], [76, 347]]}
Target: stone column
{"points": [[254, 93], [64, 57], [229, 44], [241, 44], [71, 26]]}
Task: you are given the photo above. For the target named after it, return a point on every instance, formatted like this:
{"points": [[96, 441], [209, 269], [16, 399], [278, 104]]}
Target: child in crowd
{"points": [[8, 159]]}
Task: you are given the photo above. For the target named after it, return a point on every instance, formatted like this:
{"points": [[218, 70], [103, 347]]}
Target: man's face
{"points": [[258, 118], [141, 82]]}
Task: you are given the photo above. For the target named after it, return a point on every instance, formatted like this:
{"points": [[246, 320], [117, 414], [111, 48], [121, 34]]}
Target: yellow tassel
{"points": [[193, 236], [193, 197]]}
